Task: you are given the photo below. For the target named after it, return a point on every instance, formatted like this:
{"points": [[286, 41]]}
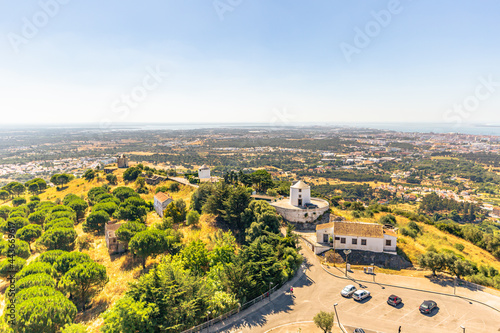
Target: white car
{"points": [[360, 295], [348, 291]]}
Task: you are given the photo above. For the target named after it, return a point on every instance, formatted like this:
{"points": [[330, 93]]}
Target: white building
{"points": [[357, 236], [161, 202], [300, 194], [204, 173]]}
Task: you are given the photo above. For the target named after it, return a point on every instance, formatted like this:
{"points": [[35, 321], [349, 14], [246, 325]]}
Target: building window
{"points": [[342, 240], [300, 195], [387, 242], [363, 242], [300, 191], [354, 241], [337, 238]]}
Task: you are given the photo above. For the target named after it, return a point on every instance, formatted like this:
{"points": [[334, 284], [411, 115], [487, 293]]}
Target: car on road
{"points": [[359, 330], [360, 295], [348, 290], [394, 300], [427, 307]]}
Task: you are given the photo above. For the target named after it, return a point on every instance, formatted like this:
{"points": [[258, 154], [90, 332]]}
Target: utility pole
{"points": [[336, 314], [463, 328], [270, 284], [346, 252]]}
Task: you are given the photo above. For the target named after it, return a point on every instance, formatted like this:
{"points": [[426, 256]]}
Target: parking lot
{"points": [[319, 291]]}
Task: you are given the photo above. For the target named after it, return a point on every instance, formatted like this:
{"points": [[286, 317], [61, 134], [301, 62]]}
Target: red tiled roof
{"points": [[162, 197]]}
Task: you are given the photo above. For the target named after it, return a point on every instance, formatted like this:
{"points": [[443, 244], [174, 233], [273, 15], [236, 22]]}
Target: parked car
{"points": [[360, 295], [394, 300], [359, 330], [348, 291], [310, 205], [427, 307]]}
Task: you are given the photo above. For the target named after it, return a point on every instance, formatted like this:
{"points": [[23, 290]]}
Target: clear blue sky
{"points": [[249, 61]]}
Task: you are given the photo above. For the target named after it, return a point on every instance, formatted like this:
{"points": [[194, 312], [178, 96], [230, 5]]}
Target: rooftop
{"points": [[285, 203], [300, 184], [162, 197], [358, 229]]}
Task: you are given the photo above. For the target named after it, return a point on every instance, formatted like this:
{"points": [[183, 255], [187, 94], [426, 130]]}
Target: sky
{"points": [[276, 62]]}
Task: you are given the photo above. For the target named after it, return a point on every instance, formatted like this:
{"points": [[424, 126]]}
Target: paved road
{"points": [[318, 290]]}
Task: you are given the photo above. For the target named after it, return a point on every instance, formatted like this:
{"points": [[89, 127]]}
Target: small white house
{"points": [[161, 202], [357, 236], [300, 194], [204, 173]]}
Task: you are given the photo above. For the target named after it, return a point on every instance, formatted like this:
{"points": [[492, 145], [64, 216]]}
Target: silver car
{"points": [[348, 291], [360, 295]]}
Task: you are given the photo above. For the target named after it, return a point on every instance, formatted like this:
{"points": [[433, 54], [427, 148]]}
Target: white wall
{"points": [[299, 215], [393, 239], [295, 195], [203, 173]]}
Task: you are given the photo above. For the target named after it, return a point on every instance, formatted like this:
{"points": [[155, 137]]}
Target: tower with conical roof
{"points": [[300, 194], [204, 172]]}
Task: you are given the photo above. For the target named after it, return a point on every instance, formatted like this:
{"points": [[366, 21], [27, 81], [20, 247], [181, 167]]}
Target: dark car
{"points": [[359, 330], [311, 205], [427, 307], [394, 300]]}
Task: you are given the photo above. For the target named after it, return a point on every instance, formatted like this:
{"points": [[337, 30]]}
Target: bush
{"points": [[18, 201], [388, 219], [36, 268], [84, 242], [96, 221], [192, 218], [59, 239], [36, 280], [459, 247]]}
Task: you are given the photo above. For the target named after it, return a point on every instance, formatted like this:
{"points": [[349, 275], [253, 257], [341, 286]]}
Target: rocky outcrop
{"points": [[367, 258]]}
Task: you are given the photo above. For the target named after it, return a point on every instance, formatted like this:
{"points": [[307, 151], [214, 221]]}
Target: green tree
{"points": [[35, 280], [34, 188], [74, 328], [68, 260], [18, 201], [195, 257], [89, 175], [83, 281], [96, 221], [50, 257], [59, 239], [193, 217], [131, 173], [112, 179], [262, 180], [36, 268], [17, 248], [324, 320], [29, 233], [47, 314], [4, 195], [433, 261], [128, 230], [388, 219], [10, 266], [151, 242]]}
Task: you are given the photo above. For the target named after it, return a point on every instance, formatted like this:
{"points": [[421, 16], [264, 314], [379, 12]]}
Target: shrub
{"points": [[459, 247], [84, 242]]}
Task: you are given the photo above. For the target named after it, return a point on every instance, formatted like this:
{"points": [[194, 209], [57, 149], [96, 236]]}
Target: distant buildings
{"points": [[122, 161], [161, 202]]}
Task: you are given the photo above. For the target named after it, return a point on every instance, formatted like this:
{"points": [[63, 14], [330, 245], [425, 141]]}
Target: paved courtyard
{"points": [[317, 290]]}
